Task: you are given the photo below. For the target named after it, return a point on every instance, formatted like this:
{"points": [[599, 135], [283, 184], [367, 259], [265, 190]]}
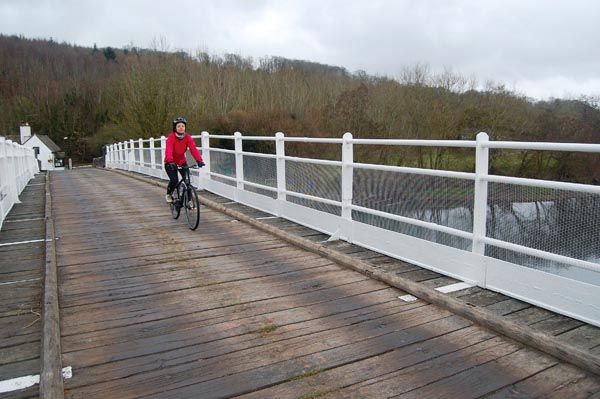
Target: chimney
{"points": [[25, 132]]}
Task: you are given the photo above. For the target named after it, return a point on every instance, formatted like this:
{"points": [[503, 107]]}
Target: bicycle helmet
{"points": [[179, 119]]}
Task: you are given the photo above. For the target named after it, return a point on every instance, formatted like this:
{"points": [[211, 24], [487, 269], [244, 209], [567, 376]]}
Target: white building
{"points": [[47, 153]]}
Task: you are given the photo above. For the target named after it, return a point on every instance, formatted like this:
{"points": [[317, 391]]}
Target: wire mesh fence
{"points": [[434, 199], [322, 181]]}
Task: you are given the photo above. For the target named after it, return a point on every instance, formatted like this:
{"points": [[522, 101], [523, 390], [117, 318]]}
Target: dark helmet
{"points": [[179, 119]]}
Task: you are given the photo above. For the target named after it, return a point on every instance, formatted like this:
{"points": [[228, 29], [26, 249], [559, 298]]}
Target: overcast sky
{"points": [[540, 48]]}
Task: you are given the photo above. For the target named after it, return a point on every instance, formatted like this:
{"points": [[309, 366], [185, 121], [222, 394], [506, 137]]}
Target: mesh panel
{"points": [[158, 156], [557, 221], [440, 200], [222, 163], [189, 158], [324, 181], [224, 181], [146, 157], [261, 171], [134, 155]]}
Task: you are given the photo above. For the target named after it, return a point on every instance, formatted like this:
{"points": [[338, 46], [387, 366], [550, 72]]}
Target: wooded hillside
{"points": [[96, 96]]}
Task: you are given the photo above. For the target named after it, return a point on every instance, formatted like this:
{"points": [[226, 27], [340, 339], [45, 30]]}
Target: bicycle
{"points": [[185, 196]]}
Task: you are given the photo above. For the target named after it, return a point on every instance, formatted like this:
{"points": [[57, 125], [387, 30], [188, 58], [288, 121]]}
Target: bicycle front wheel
{"points": [[192, 208], [176, 204]]}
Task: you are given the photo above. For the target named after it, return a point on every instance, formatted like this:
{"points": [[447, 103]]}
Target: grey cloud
{"points": [[532, 42]]}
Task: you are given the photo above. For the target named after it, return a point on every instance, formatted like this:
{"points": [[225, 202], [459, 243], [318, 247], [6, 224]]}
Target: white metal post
{"points": [[14, 195], [152, 155], [122, 149], [3, 178], [480, 194], [281, 186], [239, 162], [131, 155], [204, 174], [347, 184], [163, 149], [141, 149], [126, 155]]}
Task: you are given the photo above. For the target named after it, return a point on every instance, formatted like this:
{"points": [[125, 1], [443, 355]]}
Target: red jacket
{"points": [[175, 151]]}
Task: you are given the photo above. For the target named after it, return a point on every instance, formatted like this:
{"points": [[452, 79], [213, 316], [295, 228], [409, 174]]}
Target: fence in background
{"points": [[17, 166], [534, 240]]}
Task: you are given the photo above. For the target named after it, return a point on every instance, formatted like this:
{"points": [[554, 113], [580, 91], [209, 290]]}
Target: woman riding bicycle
{"points": [[178, 142]]}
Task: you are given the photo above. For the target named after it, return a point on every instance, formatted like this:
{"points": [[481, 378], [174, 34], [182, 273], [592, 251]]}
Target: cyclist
{"points": [[178, 142]]}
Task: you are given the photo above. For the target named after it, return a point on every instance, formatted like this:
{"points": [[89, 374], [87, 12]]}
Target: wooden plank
{"points": [[245, 318], [559, 381], [366, 372], [228, 375], [586, 336], [485, 377], [211, 342], [142, 311]]}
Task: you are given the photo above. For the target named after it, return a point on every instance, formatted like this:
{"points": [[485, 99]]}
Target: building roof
{"points": [[47, 142]]}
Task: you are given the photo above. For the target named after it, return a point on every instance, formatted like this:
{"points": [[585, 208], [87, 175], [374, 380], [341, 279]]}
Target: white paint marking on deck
{"points": [[267, 217], [21, 281], [444, 289], [408, 298], [454, 287], [16, 384], [229, 203], [67, 372], [24, 242], [36, 184], [22, 220]]}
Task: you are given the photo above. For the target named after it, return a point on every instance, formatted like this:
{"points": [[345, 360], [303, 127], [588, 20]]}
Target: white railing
{"points": [[17, 167], [523, 239]]}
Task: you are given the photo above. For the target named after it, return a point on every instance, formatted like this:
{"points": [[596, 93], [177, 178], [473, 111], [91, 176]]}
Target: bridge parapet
{"points": [[17, 167]]}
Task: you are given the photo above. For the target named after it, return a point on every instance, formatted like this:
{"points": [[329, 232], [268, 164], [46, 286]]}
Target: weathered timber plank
{"points": [[246, 370], [312, 381], [140, 311], [559, 381], [485, 377], [246, 318], [586, 336], [211, 342]]}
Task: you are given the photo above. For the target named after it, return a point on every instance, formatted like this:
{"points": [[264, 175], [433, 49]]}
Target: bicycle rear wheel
{"points": [[176, 204], [192, 208]]}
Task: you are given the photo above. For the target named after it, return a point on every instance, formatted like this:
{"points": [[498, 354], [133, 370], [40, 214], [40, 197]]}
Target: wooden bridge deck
{"points": [[150, 309]]}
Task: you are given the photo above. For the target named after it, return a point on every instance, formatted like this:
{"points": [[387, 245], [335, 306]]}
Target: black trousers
{"points": [[171, 170]]}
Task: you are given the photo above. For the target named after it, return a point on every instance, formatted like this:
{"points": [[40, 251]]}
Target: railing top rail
{"points": [[314, 140], [259, 138], [523, 145], [516, 145], [418, 143], [221, 136], [272, 138]]}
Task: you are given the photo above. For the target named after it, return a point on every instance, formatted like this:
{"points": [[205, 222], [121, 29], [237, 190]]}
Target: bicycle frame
{"points": [[186, 197]]}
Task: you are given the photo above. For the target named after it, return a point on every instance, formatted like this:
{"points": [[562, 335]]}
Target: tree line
{"points": [[85, 97]]}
